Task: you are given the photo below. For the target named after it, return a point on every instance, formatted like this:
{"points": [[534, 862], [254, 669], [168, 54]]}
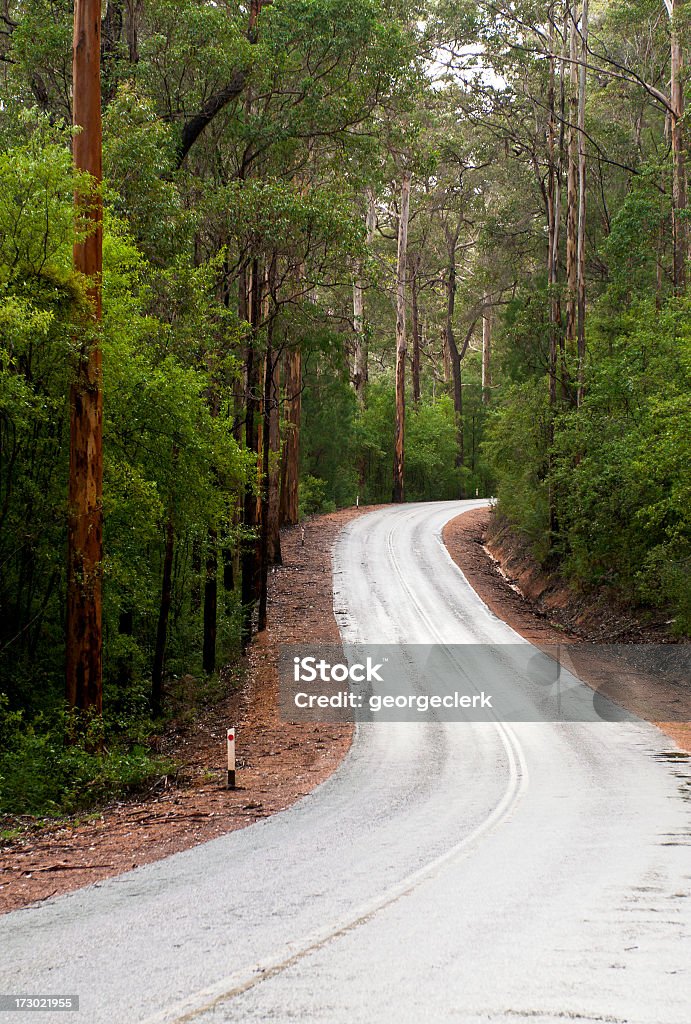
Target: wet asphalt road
{"points": [[457, 872]]}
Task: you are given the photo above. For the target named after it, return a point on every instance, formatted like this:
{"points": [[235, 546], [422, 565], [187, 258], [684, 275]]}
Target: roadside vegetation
{"points": [[350, 252]]}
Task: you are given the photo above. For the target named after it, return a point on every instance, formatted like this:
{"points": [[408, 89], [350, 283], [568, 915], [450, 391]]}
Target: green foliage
{"points": [[430, 447], [166, 454], [516, 450], [312, 497], [40, 775], [328, 436], [621, 471]]}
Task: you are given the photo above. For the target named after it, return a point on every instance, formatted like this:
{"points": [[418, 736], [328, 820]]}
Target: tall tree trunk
{"points": [[399, 442], [133, 9], [274, 522], [84, 670], [554, 228], [572, 183], [445, 355], [163, 615], [451, 347], [553, 216], [210, 604], [582, 205], [679, 185], [265, 487], [196, 589], [292, 413], [360, 353], [486, 350], [249, 567], [415, 326]]}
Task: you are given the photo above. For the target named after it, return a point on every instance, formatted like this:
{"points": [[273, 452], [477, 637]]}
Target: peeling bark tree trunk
{"points": [[582, 204], [292, 412], [399, 442], [360, 353], [84, 673]]}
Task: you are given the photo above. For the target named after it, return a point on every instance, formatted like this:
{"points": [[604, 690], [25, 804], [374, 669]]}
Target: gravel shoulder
{"points": [[277, 763], [546, 612]]}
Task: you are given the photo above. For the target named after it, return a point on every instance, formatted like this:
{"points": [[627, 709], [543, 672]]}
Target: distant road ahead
{"points": [[446, 872]]}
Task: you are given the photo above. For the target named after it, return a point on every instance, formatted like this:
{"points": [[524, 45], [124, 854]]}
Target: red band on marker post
{"points": [[231, 758]]}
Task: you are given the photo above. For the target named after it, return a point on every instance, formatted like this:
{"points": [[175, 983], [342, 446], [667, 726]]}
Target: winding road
{"points": [[447, 871]]}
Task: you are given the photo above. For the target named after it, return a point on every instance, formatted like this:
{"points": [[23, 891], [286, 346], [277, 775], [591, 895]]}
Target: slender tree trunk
{"points": [[292, 414], [451, 346], [553, 200], [84, 671], [360, 354], [572, 184], [582, 204], [445, 355], [274, 552], [196, 589], [210, 604], [249, 564], [265, 488], [554, 220], [163, 615], [133, 8], [659, 267], [399, 442], [679, 185], [415, 326], [486, 351]]}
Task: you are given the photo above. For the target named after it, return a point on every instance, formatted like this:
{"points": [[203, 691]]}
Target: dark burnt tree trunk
{"points": [[210, 604], [163, 616]]}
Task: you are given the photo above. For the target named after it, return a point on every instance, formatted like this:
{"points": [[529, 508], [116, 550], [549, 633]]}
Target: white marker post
{"points": [[231, 758]]}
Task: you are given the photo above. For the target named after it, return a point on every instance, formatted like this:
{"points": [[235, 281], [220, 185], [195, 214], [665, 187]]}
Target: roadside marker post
{"points": [[231, 757]]}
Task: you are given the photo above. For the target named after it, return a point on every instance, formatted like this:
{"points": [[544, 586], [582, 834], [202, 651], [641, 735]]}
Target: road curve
{"points": [[446, 872]]}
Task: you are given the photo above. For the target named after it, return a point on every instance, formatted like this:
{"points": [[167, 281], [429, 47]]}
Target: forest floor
{"points": [[277, 763], [544, 609]]}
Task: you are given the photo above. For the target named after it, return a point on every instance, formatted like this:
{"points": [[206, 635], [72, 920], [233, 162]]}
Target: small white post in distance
{"points": [[231, 757], [357, 501]]}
